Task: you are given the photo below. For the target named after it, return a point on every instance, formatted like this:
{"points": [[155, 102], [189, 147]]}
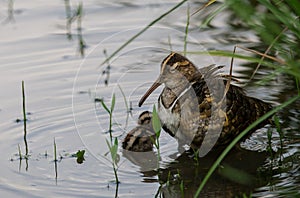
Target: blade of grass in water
{"points": [[267, 51], [186, 29], [238, 138], [142, 31], [25, 120], [298, 85], [124, 97], [54, 150], [20, 153], [212, 15]]}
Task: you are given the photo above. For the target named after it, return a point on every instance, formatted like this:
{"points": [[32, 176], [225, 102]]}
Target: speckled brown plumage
{"points": [[193, 106], [140, 139]]}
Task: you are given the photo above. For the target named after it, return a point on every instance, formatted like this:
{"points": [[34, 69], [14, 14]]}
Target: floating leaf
{"points": [[80, 156]]}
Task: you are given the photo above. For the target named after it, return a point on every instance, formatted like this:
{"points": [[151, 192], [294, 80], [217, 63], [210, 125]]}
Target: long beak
{"points": [[150, 90]]}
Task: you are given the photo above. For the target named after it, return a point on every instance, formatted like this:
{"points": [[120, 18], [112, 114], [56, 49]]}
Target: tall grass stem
{"points": [[186, 29], [143, 30], [24, 119]]}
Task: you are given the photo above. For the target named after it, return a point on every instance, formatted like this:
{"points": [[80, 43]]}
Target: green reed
{"points": [[54, 150], [55, 159], [110, 112], [79, 16], [125, 100], [71, 16], [181, 186], [186, 29], [281, 135], [128, 108], [112, 145], [269, 148], [143, 30], [20, 152]]}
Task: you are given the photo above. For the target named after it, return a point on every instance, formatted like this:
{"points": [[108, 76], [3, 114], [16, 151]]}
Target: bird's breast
{"points": [[169, 119]]}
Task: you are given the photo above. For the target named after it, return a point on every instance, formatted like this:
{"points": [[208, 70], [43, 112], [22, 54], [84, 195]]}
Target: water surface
{"points": [[62, 83]]}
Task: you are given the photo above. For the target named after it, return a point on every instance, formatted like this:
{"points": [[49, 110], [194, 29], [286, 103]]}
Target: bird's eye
{"points": [[173, 67]]}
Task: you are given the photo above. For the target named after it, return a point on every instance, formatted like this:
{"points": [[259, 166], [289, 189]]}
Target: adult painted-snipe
{"points": [[141, 138], [199, 106]]}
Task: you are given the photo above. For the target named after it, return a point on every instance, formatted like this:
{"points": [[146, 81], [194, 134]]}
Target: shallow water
{"points": [[61, 86]]}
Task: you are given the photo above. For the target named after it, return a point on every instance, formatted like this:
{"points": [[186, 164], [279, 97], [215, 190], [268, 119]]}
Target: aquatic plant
{"points": [[24, 120], [55, 159], [112, 145], [186, 30], [110, 112], [80, 156], [71, 16], [157, 129]]}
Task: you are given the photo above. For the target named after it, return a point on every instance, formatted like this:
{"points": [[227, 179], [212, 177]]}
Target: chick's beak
{"points": [[156, 84]]}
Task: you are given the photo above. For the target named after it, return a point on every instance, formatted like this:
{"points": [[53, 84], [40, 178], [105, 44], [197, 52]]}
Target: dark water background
{"points": [[62, 84]]}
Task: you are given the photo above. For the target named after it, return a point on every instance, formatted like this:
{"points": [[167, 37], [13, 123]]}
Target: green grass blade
{"points": [[295, 5], [54, 148], [186, 30], [124, 97], [20, 153], [211, 16], [105, 107], [298, 85], [113, 101], [142, 31], [238, 138]]}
